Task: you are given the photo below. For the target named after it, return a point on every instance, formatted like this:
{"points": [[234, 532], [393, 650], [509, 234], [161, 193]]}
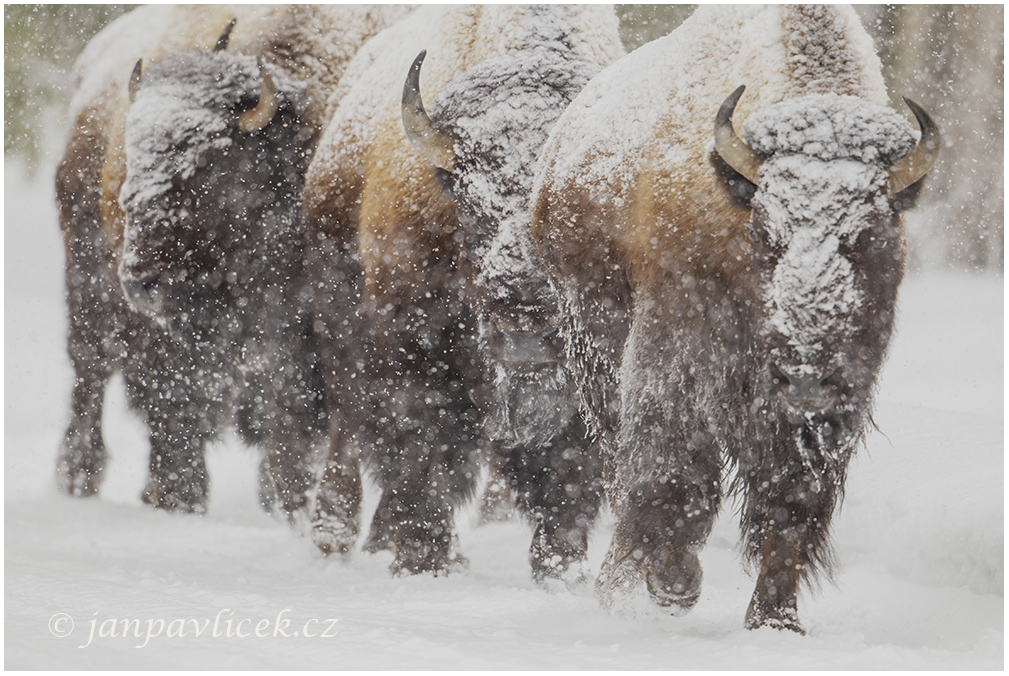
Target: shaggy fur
{"points": [[460, 358], [713, 322], [207, 237]]}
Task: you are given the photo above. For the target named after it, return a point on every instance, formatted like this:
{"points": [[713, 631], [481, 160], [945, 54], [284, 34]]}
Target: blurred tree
{"points": [[40, 45], [643, 23], [950, 58]]}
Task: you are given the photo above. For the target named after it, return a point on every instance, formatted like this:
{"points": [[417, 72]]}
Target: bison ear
{"points": [[135, 76], [222, 42], [432, 144]]}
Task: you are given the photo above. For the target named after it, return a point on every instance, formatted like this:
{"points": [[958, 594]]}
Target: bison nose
{"points": [[808, 393], [147, 294]]}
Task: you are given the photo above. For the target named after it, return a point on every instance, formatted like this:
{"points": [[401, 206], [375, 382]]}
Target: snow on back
{"points": [[673, 86], [456, 38], [315, 42]]}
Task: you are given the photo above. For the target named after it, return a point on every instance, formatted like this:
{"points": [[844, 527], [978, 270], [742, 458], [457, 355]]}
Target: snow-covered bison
{"points": [[729, 300], [180, 203], [458, 317]]}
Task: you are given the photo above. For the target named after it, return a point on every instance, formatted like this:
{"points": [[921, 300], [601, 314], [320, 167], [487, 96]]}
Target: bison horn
{"points": [[912, 167], [135, 76], [432, 144], [222, 42], [260, 116], [730, 147]]}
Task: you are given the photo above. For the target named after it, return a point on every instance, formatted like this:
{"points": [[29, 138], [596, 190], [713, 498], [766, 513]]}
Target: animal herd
{"points": [[422, 241]]}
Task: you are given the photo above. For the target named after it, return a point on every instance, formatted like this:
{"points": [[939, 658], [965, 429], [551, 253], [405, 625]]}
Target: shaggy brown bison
{"points": [[180, 204], [729, 299], [460, 347]]}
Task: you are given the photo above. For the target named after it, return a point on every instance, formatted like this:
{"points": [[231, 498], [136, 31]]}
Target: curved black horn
{"points": [[730, 147], [433, 145], [260, 116], [222, 42], [911, 168], [135, 76]]}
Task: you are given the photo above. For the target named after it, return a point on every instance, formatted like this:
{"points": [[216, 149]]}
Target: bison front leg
{"points": [[82, 458], [660, 529], [298, 423], [425, 456], [558, 487], [338, 500], [178, 473], [774, 601], [790, 494], [181, 409], [665, 482], [420, 428]]}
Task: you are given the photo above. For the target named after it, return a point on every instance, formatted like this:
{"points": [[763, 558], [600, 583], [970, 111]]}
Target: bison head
{"points": [[483, 135], [826, 177], [214, 160]]}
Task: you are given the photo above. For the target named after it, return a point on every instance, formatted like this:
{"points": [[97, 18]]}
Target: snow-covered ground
{"points": [[920, 536]]}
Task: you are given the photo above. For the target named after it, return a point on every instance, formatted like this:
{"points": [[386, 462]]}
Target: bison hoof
{"points": [[559, 574], [379, 540], [496, 504], [674, 581], [334, 526], [781, 619], [81, 465], [434, 559], [288, 505], [78, 482], [555, 559], [186, 501], [332, 540], [334, 535]]}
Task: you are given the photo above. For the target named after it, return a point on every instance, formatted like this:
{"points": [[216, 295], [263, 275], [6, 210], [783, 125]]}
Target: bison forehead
{"points": [[501, 111], [183, 108], [838, 198], [830, 127]]}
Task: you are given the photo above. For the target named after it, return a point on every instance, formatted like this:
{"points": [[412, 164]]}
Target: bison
{"points": [[728, 300], [180, 203], [457, 321]]}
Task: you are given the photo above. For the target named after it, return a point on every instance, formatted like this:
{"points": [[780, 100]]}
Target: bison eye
{"points": [[879, 243]]}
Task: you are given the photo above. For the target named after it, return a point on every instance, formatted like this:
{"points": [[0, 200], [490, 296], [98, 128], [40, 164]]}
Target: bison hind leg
{"points": [[81, 464], [82, 458], [497, 504]]}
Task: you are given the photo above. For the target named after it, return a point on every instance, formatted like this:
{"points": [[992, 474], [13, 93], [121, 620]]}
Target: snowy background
{"points": [[920, 536]]}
